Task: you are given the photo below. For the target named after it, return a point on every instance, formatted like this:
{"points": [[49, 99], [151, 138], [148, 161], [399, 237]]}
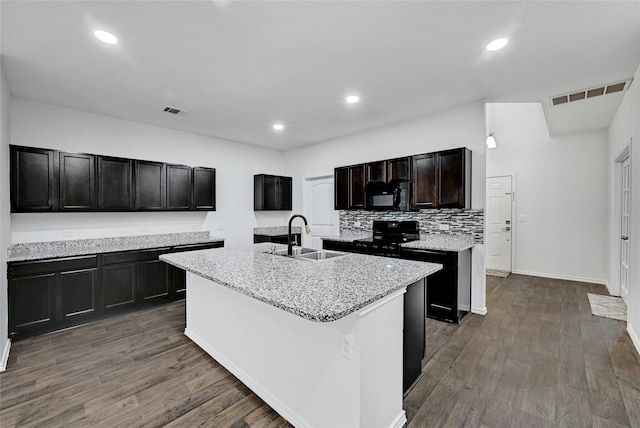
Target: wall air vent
{"points": [[590, 93], [176, 111]]}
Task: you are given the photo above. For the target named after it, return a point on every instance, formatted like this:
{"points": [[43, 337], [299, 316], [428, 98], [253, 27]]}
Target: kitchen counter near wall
{"points": [[276, 230], [77, 247]]}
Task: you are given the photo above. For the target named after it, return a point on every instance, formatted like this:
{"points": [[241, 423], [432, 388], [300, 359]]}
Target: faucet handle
{"points": [[294, 240]]}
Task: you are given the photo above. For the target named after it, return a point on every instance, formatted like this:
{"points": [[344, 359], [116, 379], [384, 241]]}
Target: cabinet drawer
{"points": [[337, 245], [446, 258], [133, 256], [44, 266], [192, 247]]}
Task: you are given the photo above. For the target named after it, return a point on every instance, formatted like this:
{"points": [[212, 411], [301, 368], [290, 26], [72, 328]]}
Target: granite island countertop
{"points": [[349, 236], [441, 242], [78, 247], [320, 291]]}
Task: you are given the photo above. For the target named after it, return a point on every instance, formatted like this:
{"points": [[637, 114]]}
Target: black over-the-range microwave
{"points": [[392, 196]]}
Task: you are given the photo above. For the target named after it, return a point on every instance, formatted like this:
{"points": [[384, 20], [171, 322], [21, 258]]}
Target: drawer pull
{"points": [[440, 306]]}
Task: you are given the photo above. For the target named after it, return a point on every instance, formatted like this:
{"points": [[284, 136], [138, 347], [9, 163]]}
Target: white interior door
{"points": [[624, 230], [499, 223], [323, 219]]}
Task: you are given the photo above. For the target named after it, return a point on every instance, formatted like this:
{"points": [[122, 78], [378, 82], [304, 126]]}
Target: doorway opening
{"points": [[499, 223]]}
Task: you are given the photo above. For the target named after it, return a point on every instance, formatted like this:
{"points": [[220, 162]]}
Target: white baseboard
{"points": [[479, 311], [564, 277], [5, 356], [634, 337]]}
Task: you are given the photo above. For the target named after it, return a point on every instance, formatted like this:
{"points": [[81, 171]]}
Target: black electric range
{"points": [[387, 237]]}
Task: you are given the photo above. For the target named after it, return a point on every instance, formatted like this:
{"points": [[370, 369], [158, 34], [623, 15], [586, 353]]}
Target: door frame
{"points": [[613, 285], [514, 220], [306, 191]]}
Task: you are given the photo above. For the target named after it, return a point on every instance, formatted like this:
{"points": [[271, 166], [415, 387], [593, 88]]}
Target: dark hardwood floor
{"points": [[537, 359]]}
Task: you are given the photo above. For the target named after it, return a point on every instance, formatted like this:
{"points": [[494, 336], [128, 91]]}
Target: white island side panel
{"points": [[296, 365]]}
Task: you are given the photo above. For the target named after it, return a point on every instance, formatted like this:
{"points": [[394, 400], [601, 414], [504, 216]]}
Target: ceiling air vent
{"points": [[590, 93], [176, 111]]}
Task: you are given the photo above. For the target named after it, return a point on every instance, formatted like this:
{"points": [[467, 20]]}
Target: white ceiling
{"points": [[239, 66]]}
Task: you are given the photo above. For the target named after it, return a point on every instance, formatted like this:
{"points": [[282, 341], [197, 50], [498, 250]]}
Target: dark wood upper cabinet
{"points": [[49, 180], [341, 188], [204, 189], [77, 182], [442, 179], [376, 171], [349, 187], [356, 182], [178, 187], [424, 181], [33, 183], [399, 169], [272, 193], [150, 184], [115, 179], [454, 177]]}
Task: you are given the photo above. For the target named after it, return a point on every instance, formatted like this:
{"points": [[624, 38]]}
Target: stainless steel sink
{"points": [[321, 255], [309, 254]]}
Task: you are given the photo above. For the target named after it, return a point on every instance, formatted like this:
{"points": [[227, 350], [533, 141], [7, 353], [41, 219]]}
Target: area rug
{"points": [[498, 273], [608, 306]]}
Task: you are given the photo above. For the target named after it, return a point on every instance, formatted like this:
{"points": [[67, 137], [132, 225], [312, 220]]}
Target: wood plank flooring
{"points": [[537, 359]]}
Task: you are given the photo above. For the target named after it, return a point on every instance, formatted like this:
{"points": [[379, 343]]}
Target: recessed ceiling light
{"points": [[352, 99], [497, 44], [106, 37], [278, 126]]}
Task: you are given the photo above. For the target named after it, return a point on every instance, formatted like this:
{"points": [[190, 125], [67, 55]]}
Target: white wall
{"points": [[5, 216], [462, 126], [561, 188], [37, 124], [625, 130]]}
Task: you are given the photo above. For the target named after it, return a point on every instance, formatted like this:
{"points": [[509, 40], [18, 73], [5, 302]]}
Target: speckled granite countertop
{"points": [[441, 242], [276, 230], [349, 236], [320, 291], [78, 247]]}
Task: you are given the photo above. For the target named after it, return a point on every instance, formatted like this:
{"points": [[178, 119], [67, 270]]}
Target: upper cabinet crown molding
{"points": [[46, 180]]}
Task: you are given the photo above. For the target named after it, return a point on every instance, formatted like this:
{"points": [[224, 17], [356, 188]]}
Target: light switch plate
{"points": [[522, 218], [443, 227]]}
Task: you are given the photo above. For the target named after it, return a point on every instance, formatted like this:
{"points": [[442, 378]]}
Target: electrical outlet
{"points": [[357, 224], [68, 233], [443, 227], [142, 229], [522, 218], [346, 348], [194, 227]]}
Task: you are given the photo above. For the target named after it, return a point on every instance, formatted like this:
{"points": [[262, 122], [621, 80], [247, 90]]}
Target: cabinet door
{"points": [[154, 279], [115, 184], [285, 188], [399, 169], [150, 186], [356, 183], [424, 181], [204, 189], [178, 187], [341, 188], [77, 182], [119, 283], [376, 171], [454, 177], [269, 191], [32, 179], [78, 292], [31, 302], [442, 295]]}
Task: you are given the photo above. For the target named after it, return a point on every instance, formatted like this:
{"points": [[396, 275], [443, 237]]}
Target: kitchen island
{"points": [[321, 342]]}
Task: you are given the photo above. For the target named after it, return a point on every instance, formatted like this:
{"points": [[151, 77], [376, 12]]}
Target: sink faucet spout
{"points": [[290, 235]]}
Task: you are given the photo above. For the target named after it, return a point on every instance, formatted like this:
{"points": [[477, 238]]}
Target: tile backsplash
{"points": [[432, 221]]}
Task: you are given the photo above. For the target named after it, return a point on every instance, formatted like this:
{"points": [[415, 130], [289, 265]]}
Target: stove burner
{"points": [[387, 237]]}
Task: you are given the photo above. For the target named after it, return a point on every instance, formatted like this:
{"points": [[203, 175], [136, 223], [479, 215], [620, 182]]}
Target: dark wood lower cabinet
{"points": [[52, 294]]}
